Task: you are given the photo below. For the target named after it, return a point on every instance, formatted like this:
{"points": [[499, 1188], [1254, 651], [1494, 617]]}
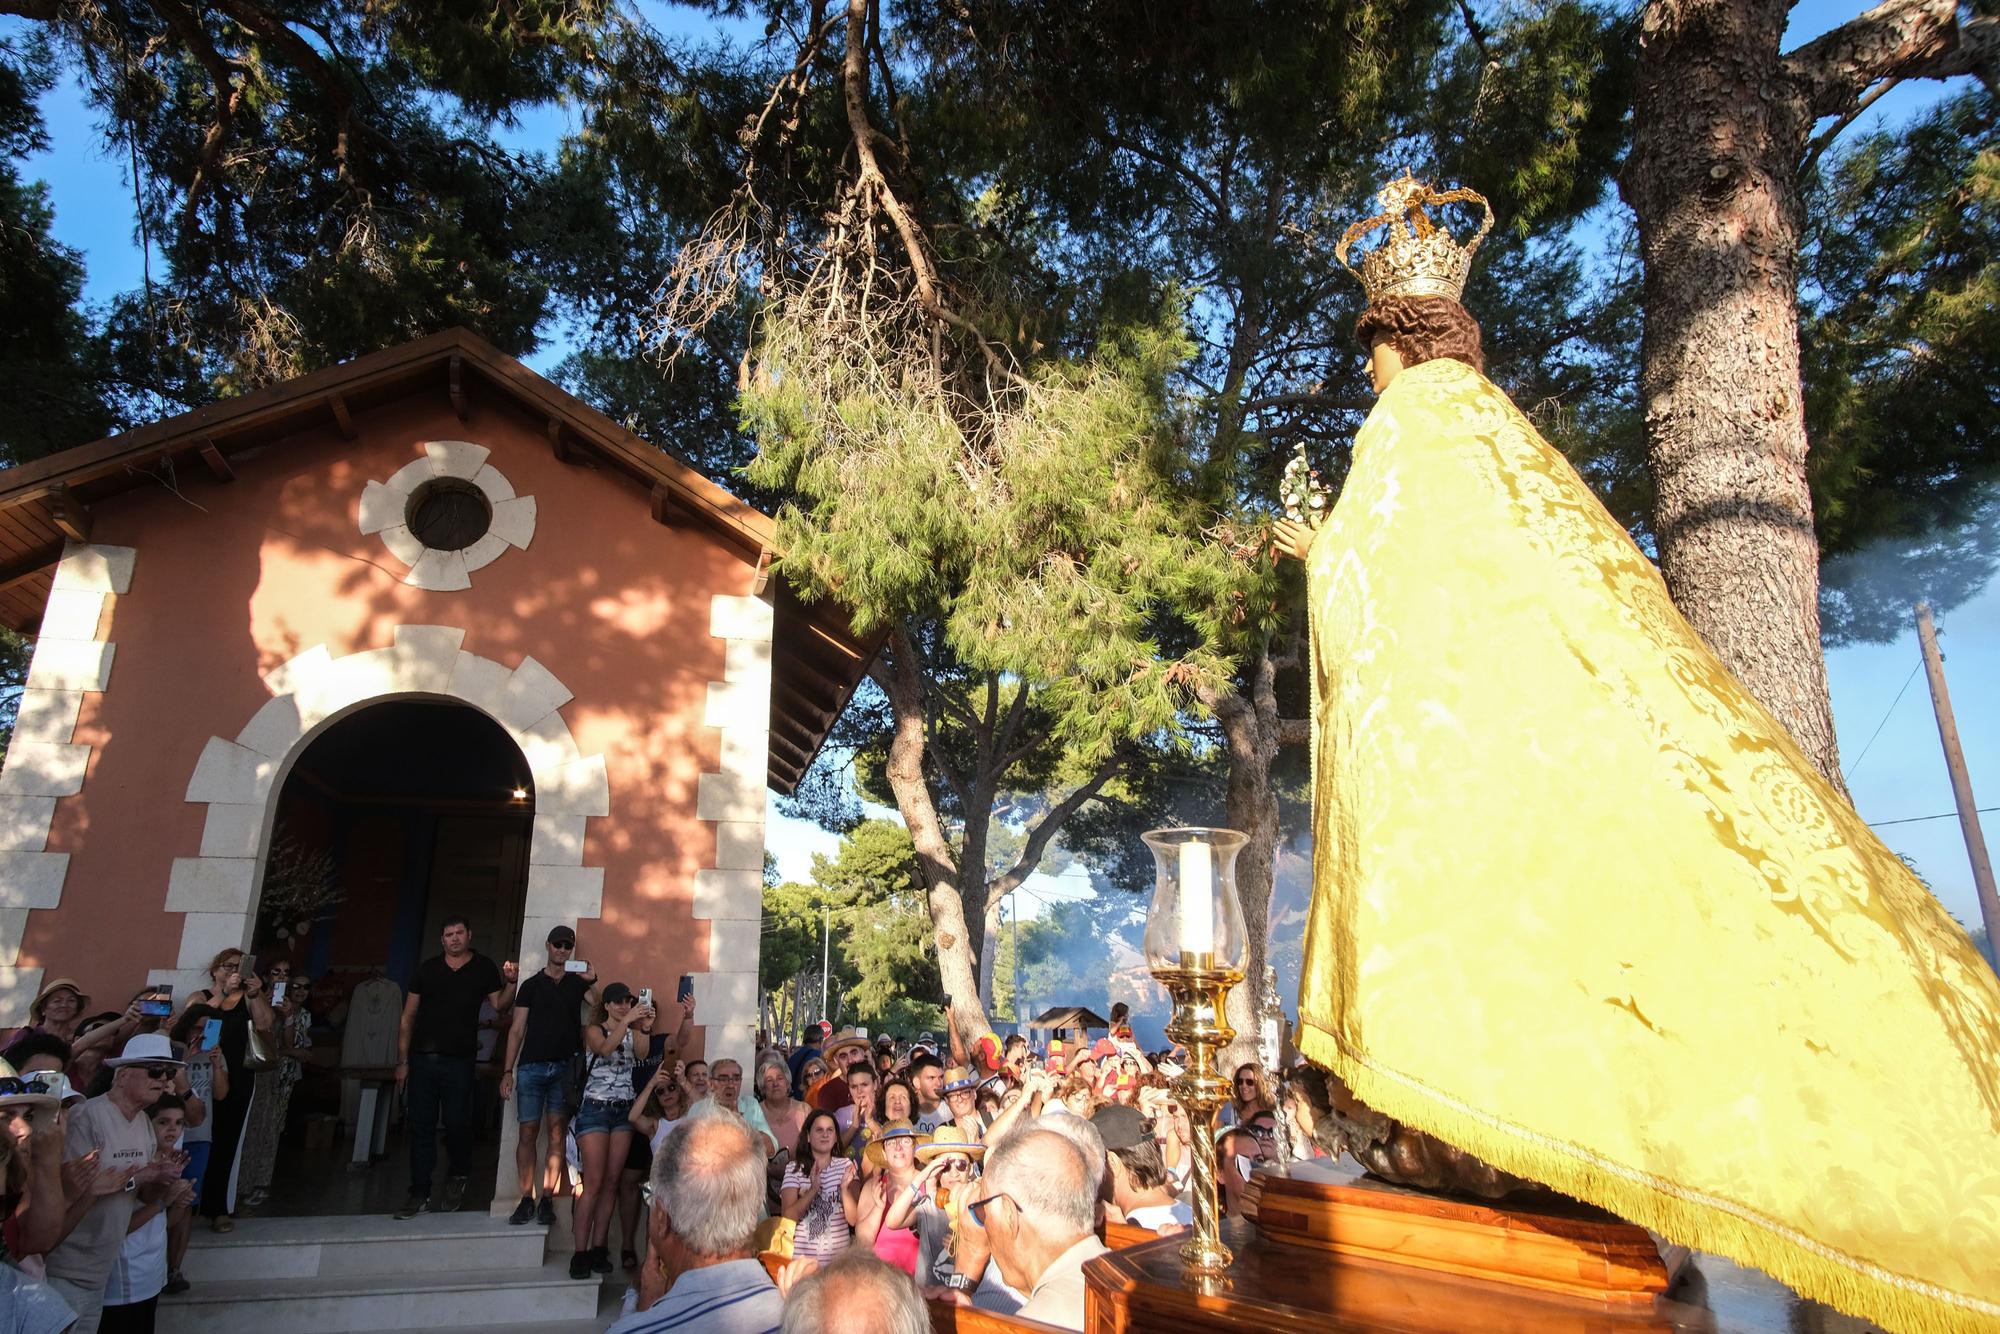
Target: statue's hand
{"points": [[1290, 539]]}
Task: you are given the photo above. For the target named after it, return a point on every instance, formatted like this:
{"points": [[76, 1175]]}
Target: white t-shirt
{"points": [[662, 1130], [1153, 1217], [928, 1122], [141, 1268]]}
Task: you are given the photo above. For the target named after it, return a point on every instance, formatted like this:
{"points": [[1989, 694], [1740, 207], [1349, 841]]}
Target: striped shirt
{"points": [[734, 1297]]}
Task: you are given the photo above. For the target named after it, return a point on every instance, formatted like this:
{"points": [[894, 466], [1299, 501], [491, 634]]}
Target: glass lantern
{"points": [[1195, 923]]}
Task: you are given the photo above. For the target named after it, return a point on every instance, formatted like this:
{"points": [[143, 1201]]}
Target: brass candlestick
{"points": [[1200, 991], [1194, 946]]}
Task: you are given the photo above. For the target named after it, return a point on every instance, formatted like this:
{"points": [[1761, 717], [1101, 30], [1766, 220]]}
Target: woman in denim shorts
{"points": [[603, 1131]]}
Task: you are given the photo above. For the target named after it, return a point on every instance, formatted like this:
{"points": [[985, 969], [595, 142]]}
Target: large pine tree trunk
{"points": [[1714, 180], [957, 945]]}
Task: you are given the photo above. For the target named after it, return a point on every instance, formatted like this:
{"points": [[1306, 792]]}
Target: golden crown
{"points": [[1420, 258]]}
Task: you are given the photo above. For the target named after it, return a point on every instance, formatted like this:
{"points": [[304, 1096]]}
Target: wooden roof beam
{"points": [[218, 465], [68, 513], [342, 418], [27, 567], [822, 701]]}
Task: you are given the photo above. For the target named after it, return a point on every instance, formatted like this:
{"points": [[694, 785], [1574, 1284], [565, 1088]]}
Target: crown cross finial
{"points": [[1418, 258]]}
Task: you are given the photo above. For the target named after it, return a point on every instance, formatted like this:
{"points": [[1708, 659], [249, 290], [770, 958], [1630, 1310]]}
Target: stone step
{"points": [[289, 1248], [451, 1298]]}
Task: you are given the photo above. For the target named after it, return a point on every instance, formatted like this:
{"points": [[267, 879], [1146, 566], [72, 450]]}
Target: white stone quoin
{"points": [[729, 895], [72, 658]]}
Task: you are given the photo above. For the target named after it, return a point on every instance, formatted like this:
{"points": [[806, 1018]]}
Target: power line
{"points": [[1884, 723], [1915, 819]]}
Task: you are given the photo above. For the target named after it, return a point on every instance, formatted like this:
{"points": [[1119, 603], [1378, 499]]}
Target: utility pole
{"points": [[1961, 781], [1020, 997], [825, 954]]}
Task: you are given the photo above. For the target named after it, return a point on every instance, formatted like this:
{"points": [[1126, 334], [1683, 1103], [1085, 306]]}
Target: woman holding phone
{"points": [[274, 1086], [238, 1000], [603, 1123]]}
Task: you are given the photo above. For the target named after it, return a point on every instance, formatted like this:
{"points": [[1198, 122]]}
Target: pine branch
{"points": [[1896, 39], [1049, 825]]}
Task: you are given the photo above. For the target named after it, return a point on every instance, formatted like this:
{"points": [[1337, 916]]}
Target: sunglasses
{"points": [[977, 1208], [10, 1085], [958, 1167], [158, 1071]]}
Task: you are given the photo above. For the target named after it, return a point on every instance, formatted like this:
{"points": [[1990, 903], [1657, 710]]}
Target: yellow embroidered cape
{"points": [[1582, 907]]}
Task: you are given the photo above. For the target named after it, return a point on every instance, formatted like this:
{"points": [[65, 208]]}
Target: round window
{"points": [[448, 514]]}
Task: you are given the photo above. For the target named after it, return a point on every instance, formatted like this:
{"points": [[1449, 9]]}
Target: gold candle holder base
{"points": [[1200, 991]]}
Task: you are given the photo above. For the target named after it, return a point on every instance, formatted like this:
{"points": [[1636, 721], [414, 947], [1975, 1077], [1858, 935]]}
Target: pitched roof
{"points": [[1068, 1016], [816, 658]]}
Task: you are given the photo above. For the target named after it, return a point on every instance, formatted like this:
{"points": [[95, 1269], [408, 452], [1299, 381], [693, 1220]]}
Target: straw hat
{"points": [[845, 1047], [894, 1130], [55, 985], [959, 1078], [949, 1139]]}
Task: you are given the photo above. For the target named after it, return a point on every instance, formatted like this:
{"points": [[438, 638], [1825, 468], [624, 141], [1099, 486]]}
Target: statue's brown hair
{"points": [[1422, 328]]}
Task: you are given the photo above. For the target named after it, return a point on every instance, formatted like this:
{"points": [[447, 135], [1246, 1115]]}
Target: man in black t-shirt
{"points": [[436, 1047], [546, 1034]]}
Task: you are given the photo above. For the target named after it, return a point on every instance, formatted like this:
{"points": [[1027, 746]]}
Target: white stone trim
{"points": [[43, 763], [239, 779], [383, 508], [728, 895]]}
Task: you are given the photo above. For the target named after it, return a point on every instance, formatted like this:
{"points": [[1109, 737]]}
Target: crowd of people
{"points": [[881, 1172]]}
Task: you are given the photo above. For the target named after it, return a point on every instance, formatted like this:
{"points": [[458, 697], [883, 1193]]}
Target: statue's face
{"points": [[1384, 363]]}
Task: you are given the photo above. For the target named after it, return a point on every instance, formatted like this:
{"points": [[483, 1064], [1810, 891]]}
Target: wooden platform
{"points": [[1554, 1246], [1277, 1287]]}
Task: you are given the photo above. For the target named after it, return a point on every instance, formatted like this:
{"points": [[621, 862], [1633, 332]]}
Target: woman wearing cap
{"points": [[238, 999], [938, 1205], [893, 1182], [603, 1122], [814, 1192], [961, 1095]]}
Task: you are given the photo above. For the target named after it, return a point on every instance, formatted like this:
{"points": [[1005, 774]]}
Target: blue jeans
{"points": [[601, 1118], [538, 1090], [439, 1087]]}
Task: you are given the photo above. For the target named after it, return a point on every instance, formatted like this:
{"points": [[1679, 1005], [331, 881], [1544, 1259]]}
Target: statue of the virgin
{"points": [[1581, 908]]}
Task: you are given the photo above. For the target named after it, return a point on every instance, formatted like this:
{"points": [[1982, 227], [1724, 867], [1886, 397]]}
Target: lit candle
{"points": [[1197, 900]]}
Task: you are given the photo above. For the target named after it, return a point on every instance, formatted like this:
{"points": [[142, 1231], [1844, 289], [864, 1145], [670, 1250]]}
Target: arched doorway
{"points": [[394, 818]]}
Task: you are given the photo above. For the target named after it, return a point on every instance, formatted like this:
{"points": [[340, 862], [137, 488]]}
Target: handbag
{"points": [[260, 1053]]}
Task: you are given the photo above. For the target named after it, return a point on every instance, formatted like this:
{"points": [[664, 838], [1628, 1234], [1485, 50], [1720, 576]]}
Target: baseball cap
{"points": [[1121, 1126], [616, 992], [562, 935]]}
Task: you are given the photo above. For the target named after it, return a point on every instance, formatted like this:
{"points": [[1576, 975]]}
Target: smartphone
{"points": [[685, 992], [158, 1004], [576, 966], [246, 966], [211, 1035], [278, 992], [646, 997]]}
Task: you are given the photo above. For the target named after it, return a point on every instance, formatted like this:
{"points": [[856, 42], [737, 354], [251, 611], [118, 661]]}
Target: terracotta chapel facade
{"points": [[433, 524]]}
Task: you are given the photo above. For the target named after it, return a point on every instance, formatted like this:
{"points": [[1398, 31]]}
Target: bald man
{"points": [[856, 1294], [1037, 1203]]}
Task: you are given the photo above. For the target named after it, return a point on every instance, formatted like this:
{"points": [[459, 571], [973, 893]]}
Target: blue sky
{"points": [[1901, 776]]}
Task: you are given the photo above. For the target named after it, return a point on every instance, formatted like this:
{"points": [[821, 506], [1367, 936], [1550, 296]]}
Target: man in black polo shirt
{"points": [[436, 1046], [546, 1034]]}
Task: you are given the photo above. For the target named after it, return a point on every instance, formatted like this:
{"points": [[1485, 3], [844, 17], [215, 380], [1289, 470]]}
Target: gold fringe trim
{"points": [[1685, 1216]]}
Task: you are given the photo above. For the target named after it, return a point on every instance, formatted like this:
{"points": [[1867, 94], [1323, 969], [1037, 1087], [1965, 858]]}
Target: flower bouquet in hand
{"points": [[1301, 492]]}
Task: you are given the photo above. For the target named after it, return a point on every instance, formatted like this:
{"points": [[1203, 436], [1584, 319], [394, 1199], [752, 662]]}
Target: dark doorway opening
{"points": [[405, 813]]}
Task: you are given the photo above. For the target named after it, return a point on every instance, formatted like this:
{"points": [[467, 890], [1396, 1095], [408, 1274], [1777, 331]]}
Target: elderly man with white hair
{"points": [[1037, 1204], [703, 1273]]}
